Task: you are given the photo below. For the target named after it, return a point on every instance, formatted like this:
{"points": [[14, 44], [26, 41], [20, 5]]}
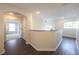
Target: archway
{"points": [[13, 25]]}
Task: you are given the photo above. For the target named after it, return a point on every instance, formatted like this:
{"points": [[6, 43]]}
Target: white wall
{"points": [[43, 40], [26, 27], [69, 33], [77, 35], [46, 40], [39, 23], [70, 11]]}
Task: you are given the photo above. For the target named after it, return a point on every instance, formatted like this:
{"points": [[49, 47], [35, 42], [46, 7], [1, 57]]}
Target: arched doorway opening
{"points": [[13, 25]]}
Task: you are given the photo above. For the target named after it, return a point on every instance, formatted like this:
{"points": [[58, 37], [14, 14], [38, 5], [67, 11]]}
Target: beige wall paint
{"points": [[27, 23], [1, 34], [13, 18], [4, 8], [46, 40], [43, 40], [26, 27]]}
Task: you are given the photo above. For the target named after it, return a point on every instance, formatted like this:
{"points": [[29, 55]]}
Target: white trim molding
{"points": [[77, 45], [40, 49], [27, 43], [58, 44]]}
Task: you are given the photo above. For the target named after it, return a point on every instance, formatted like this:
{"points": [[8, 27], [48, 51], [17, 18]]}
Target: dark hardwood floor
{"points": [[67, 47], [18, 47]]}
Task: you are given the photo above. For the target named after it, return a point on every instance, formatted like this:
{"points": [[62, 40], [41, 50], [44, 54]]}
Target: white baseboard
{"points": [[48, 49], [2, 52], [58, 45], [77, 45], [27, 43], [40, 49]]}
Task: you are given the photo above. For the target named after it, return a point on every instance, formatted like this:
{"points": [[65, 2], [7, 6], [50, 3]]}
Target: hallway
{"points": [[18, 47]]}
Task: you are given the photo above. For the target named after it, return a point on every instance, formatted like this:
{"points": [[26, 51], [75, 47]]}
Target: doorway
{"points": [[68, 45], [13, 30], [69, 30]]}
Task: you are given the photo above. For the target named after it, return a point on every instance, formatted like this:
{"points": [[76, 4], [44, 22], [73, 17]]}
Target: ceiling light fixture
{"points": [[37, 12], [11, 13], [62, 17]]}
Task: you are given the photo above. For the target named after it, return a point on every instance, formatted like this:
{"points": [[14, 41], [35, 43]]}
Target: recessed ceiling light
{"points": [[62, 17], [11, 13], [38, 12]]}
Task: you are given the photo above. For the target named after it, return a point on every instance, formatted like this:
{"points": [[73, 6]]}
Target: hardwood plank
{"points": [[18, 47]]}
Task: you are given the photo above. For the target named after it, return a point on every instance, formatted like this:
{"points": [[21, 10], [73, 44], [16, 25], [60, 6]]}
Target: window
{"points": [[70, 24], [11, 27]]}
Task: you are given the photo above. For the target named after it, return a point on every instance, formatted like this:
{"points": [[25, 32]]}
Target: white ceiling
{"points": [[46, 9], [37, 6], [49, 10]]}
